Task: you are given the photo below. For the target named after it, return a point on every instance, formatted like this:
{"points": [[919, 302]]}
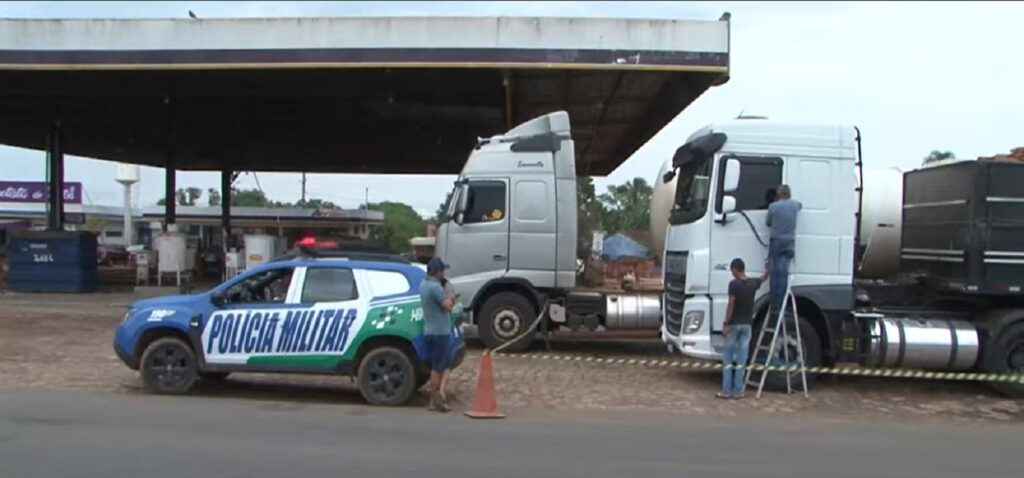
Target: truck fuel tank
{"points": [[922, 343]]}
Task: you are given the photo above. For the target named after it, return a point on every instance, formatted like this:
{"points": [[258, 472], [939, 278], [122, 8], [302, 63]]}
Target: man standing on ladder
{"points": [[781, 219]]}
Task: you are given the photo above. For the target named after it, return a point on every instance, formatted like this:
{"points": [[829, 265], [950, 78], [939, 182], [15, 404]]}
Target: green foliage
{"points": [[627, 206], [937, 155], [313, 204], [401, 223], [184, 197], [249, 198], [213, 197], [442, 210]]}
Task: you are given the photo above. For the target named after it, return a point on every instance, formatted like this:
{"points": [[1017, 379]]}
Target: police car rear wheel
{"points": [[168, 366], [387, 377]]}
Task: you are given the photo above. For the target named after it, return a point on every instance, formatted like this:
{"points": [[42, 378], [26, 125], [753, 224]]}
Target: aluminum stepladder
{"points": [[768, 329]]}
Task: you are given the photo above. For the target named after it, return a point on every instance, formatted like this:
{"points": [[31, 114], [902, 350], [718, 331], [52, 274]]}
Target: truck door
{"points": [[478, 247], [734, 237]]}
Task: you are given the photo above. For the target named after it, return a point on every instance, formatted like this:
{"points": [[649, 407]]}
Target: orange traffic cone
{"points": [[485, 405]]}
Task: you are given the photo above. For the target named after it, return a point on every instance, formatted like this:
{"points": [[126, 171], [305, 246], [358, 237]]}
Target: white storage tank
{"points": [[170, 248], [127, 173], [259, 249], [661, 205], [882, 223]]}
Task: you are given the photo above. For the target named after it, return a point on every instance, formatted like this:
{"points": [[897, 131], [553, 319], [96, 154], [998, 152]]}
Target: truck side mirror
{"points": [[461, 202], [728, 204], [732, 176]]}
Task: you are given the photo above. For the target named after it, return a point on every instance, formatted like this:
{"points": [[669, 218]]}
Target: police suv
{"points": [[358, 315]]}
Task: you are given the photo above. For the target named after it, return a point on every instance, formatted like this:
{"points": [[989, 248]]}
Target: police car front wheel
{"points": [[387, 376], [168, 366]]}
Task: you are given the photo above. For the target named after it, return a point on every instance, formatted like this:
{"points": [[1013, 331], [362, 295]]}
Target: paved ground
{"points": [[47, 433], [64, 342]]}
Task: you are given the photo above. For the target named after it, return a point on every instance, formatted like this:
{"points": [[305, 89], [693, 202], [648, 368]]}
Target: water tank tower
{"points": [[127, 175]]}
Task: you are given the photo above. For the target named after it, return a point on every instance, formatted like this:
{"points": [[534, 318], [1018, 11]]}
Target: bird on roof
{"points": [[192, 14]]}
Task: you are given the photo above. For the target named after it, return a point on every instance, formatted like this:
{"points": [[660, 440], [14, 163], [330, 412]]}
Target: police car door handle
{"points": [[498, 257]]}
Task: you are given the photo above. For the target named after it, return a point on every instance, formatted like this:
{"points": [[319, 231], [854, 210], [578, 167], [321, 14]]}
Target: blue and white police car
{"points": [[354, 316]]}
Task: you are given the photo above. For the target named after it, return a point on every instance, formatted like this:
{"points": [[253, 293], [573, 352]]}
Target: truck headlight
{"points": [[692, 321]]}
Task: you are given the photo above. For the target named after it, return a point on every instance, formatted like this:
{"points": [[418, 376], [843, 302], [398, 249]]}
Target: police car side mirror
{"points": [[218, 298]]}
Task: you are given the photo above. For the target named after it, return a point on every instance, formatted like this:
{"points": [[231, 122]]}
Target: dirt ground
{"points": [[64, 342]]}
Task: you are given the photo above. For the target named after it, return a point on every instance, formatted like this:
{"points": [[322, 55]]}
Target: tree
{"points": [[213, 197], [249, 198], [588, 215], [401, 223], [937, 155], [441, 215], [313, 204], [627, 206], [184, 197], [188, 196]]}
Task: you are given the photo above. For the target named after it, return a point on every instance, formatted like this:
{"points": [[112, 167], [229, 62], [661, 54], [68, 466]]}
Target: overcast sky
{"points": [[913, 76]]}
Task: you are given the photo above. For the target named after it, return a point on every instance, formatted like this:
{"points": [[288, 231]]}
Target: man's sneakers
{"points": [[438, 403]]}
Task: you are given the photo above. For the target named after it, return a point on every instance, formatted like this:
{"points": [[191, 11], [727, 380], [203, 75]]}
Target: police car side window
{"points": [[329, 284], [265, 287], [385, 283]]}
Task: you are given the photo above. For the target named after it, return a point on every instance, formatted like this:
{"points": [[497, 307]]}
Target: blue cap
{"points": [[436, 265]]}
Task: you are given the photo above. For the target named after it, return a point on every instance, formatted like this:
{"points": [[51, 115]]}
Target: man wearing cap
{"points": [[437, 306]]}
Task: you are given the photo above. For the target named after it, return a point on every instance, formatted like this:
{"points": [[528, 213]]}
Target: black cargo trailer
{"points": [[963, 226]]}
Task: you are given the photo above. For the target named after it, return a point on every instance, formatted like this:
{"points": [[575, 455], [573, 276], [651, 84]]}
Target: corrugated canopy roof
{"points": [[370, 95]]}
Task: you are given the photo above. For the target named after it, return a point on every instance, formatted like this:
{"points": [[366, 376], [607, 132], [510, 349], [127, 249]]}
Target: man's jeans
{"points": [[780, 256], [737, 347]]}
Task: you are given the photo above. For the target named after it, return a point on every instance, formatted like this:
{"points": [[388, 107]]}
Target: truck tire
{"points": [[168, 366], [776, 381], [505, 316], [387, 377], [1005, 354]]}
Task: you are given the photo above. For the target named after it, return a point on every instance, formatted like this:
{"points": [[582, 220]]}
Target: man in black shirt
{"points": [[739, 316]]}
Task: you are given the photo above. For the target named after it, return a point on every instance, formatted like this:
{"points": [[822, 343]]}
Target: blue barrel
{"points": [[44, 261]]}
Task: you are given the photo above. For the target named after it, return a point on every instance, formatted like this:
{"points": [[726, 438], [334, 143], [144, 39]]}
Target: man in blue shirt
{"points": [[781, 220], [437, 306]]}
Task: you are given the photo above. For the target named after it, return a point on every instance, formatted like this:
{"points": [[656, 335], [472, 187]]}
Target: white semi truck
{"points": [[921, 270], [511, 240]]}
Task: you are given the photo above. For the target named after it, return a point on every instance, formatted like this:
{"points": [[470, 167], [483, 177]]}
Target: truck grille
{"points": [[674, 298]]}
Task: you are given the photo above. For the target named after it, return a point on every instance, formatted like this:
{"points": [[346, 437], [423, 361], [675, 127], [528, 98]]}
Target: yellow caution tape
{"points": [[854, 371]]}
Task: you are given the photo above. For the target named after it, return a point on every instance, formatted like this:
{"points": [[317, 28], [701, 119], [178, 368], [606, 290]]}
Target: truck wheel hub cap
{"points": [[506, 324]]}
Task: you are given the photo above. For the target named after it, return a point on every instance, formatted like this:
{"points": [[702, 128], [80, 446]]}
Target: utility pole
{"points": [[366, 204], [303, 188]]}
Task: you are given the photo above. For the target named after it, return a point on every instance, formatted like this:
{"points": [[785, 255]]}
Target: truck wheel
{"points": [[505, 316], [387, 377], [776, 381], [168, 366], [1006, 355]]}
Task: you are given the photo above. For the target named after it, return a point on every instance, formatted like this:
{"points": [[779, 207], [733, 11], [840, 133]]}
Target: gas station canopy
{"points": [[360, 95]]}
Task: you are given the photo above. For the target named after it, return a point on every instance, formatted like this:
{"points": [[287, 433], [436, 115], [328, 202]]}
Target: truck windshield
{"points": [[691, 192]]}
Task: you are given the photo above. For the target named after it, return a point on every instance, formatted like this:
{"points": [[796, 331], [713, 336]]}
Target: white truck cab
{"points": [[727, 176], [511, 241]]}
